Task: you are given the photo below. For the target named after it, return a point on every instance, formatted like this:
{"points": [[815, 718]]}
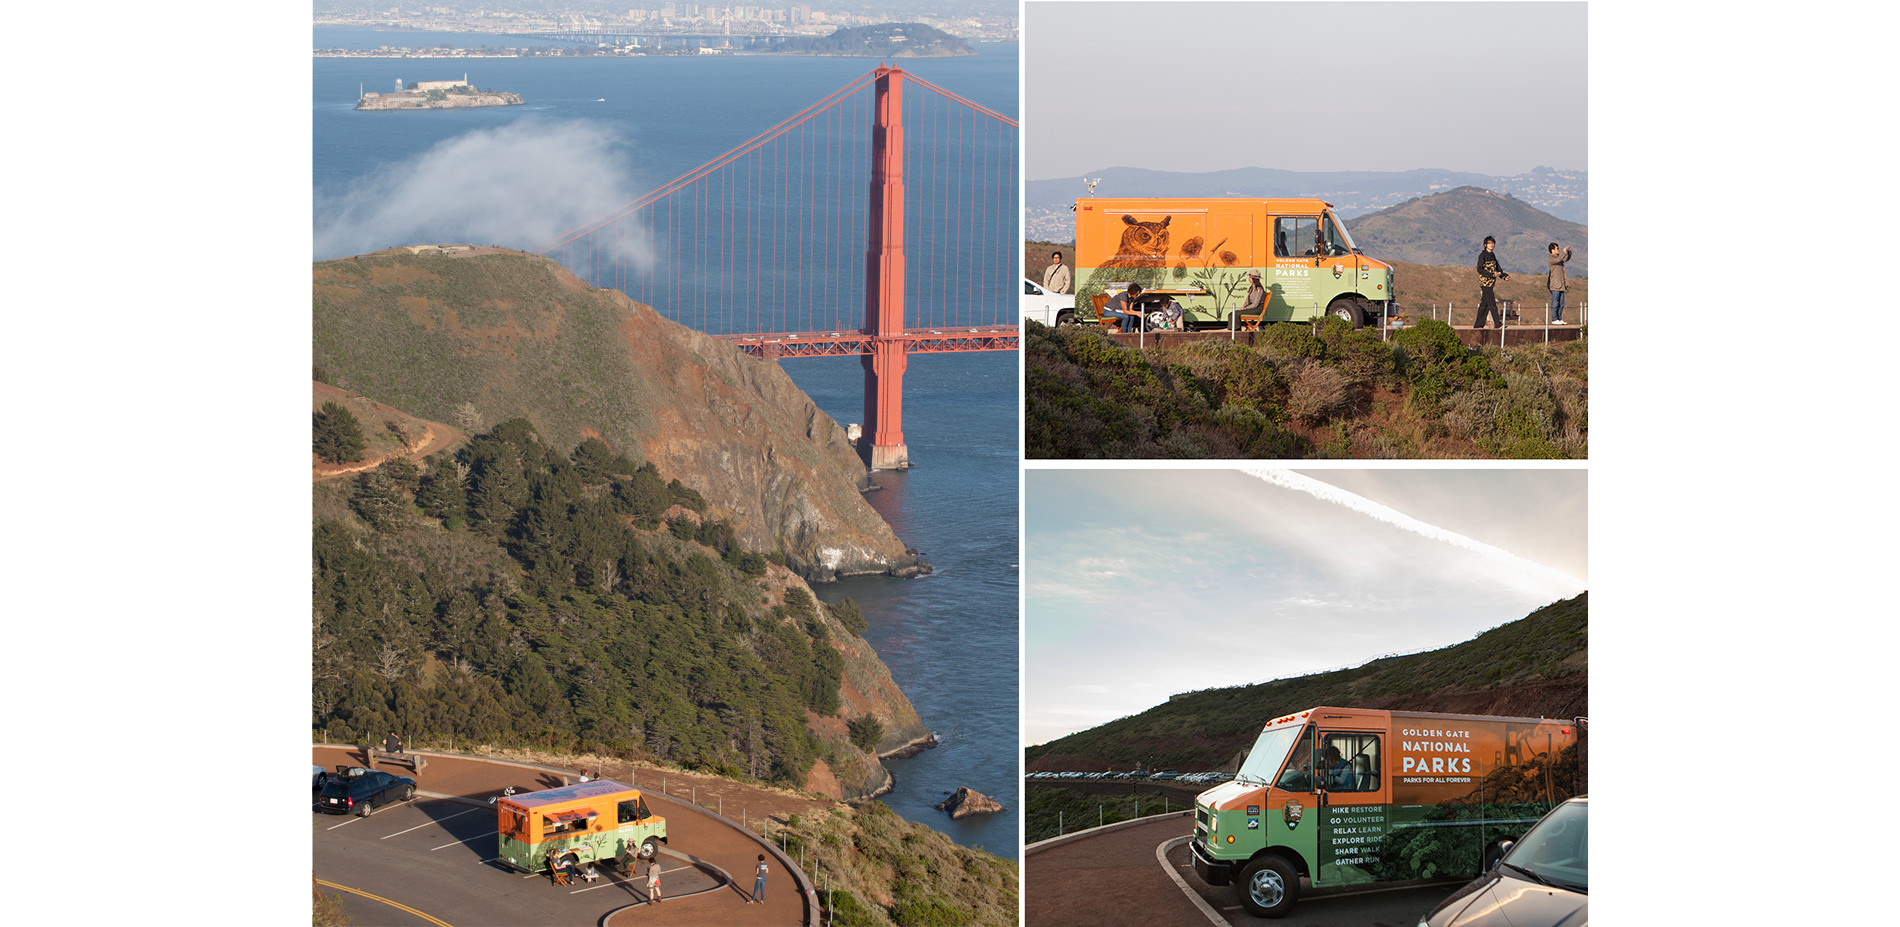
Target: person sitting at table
{"points": [[1123, 306]]}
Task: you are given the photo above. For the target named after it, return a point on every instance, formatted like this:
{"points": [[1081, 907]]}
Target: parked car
{"points": [[1543, 880], [317, 781], [356, 790], [1046, 307]]}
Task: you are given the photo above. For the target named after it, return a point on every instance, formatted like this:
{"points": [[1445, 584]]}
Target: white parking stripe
{"points": [[462, 842], [427, 823]]}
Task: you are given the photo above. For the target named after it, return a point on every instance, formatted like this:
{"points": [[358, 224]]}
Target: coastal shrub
{"points": [[847, 911], [1319, 392], [1289, 340]]}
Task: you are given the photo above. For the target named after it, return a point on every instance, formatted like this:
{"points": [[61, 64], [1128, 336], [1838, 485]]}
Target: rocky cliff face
{"points": [[488, 334]]}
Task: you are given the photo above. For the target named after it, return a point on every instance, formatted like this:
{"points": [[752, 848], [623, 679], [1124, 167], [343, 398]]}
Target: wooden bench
{"points": [[414, 761]]}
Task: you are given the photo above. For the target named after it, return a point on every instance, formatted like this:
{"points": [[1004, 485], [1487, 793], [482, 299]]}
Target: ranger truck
{"points": [[1353, 796]]}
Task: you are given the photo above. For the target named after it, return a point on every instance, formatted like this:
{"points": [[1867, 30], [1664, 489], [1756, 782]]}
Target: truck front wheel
{"points": [[1269, 886], [1065, 319], [1350, 310]]}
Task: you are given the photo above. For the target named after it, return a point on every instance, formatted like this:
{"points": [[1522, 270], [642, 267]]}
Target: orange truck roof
{"points": [[571, 797], [1272, 205]]}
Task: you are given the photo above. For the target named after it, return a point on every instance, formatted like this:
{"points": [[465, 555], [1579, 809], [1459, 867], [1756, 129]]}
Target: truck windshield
{"points": [[1268, 753], [1338, 241]]}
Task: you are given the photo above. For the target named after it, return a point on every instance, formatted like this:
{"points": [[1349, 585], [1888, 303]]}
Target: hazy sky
{"points": [[1140, 584], [1495, 88]]}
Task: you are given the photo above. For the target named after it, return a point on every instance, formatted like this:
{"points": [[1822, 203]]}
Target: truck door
{"points": [[1338, 268], [1352, 813], [1297, 251]]}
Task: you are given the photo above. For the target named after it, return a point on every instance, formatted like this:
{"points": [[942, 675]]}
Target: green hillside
{"points": [[1536, 665], [1302, 391]]}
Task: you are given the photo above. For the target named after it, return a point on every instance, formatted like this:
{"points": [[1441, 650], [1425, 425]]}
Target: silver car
{"points": [[1543, 880]]}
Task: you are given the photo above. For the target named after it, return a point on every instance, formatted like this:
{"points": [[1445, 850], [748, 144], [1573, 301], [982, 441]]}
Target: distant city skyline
{"points": [[1493, 88]]}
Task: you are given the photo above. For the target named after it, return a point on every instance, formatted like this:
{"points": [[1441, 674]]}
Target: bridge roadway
{"points": [[432, 861], [1140, 873], [945, 340]]}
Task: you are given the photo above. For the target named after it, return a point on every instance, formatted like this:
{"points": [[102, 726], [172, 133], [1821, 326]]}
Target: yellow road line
{"points": [[394, 904]]}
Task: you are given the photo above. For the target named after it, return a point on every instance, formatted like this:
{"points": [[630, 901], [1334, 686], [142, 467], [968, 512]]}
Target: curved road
{"points": [[432, 861], [1140, 873]]}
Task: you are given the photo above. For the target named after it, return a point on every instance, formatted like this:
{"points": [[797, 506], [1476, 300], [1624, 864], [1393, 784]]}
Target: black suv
{"points": [[360, 790]]}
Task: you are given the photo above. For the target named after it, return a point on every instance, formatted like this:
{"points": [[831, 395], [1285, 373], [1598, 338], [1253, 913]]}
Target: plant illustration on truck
{"points": [[592, 822], [1200, 252], [1348, 796]]}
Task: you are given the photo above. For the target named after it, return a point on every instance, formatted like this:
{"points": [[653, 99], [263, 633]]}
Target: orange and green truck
{"points": [[1352, 796], [1199, 252], [591, 822]]}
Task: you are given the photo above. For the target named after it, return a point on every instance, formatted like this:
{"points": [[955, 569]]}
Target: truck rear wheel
{"points": [[1269, 886], [1065, 319]]}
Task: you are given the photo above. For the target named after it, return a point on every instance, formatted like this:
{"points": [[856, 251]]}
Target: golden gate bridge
{"points": [[759, 246]]}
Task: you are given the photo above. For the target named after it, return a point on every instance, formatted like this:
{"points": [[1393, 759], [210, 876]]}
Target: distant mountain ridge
{"points": [[1449, 228], [1563, 194]]}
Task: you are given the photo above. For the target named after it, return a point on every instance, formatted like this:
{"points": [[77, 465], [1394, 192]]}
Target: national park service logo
{"points": [[1292, 811]]}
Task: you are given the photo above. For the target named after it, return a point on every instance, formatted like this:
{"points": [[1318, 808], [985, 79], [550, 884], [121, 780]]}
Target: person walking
{"points": [[1557, 282], [758, 886], [1489, 273], [653, 881], [1056, 277]]}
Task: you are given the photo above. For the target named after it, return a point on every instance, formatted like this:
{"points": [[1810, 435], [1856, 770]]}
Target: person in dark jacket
{"points": [[1489, 273], [1557, 283]]}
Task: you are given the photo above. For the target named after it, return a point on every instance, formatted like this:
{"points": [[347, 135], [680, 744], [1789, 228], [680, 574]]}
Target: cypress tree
{"points": [[338, 437]]}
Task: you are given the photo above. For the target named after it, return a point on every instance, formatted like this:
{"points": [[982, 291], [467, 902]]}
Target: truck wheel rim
{"points": [[1267, 889]]}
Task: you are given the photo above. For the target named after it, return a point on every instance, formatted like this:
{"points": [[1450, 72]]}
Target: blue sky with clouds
{"points": [[1140, 584]]}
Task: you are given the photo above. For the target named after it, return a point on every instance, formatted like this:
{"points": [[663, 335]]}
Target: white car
{"points": [[1046, 307]]}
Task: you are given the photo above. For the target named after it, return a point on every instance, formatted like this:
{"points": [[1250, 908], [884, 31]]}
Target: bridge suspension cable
{"points": [[769, 237]]}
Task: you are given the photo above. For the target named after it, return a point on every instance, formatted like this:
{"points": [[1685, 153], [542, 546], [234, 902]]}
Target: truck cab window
{"points": [[1350, 762], [1295, 236]]}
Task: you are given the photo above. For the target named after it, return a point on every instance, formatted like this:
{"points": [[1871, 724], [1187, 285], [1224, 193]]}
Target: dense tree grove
{"points": [[561, 617]]}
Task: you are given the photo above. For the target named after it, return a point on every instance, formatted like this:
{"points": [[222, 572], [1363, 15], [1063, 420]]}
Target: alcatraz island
{"points": [[435, 94]]}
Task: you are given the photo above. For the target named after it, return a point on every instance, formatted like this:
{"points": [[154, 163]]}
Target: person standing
{"points": [[1489, 273], [758, 886], [1056, 277], [653, 881], [1557, 283]]}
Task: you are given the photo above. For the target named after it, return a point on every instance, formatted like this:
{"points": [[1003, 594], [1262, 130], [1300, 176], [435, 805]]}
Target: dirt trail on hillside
{"points": [[421, 437]]}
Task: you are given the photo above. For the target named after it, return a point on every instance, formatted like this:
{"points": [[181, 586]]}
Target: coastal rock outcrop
{"points": [[967, 802]]}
